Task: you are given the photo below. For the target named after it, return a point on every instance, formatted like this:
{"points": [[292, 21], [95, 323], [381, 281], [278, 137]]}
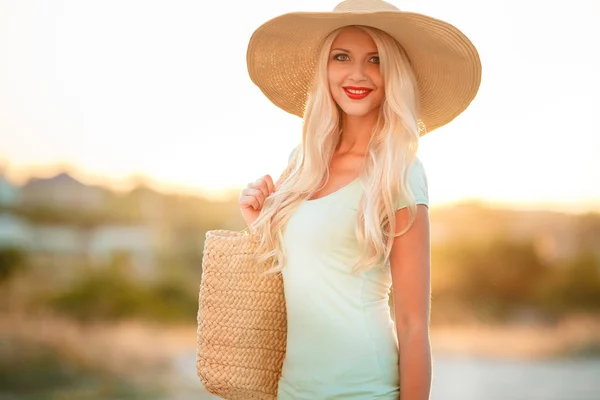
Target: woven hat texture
{"points": [[282, 55]]}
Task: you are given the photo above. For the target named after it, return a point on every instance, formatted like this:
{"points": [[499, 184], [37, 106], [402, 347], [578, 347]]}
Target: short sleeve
{"points": [[417, 181]]}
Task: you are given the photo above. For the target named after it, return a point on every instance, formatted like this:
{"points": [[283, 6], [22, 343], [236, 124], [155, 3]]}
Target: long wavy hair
{"points": [[392, 149]]}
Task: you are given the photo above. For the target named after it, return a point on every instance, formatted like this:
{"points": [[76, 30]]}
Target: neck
{"points": [[356, 133]]}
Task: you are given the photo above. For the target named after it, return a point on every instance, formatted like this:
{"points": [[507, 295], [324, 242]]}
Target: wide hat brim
{"points": [[282, 55]]}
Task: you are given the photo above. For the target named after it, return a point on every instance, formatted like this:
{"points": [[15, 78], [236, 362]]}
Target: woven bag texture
{"points": [[242, 325]]}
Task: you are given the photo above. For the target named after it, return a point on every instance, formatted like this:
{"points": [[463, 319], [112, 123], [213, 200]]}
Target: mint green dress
{"points": [[341, 341]]}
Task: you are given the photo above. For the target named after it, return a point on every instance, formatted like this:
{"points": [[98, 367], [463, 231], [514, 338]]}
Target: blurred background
{"points": [[127, 129]]}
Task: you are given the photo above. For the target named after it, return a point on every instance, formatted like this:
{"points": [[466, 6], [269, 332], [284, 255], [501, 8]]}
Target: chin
{"points": [[356, 110]]}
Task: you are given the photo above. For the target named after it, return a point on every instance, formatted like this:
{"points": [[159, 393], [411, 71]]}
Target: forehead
{"points": [[356, 39]]}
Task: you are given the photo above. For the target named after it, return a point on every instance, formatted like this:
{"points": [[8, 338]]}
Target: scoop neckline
{"points": [[334, 192]]}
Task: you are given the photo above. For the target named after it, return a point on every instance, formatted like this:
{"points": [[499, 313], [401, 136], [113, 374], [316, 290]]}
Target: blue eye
{"points": [[375, 59], [341, 57]]}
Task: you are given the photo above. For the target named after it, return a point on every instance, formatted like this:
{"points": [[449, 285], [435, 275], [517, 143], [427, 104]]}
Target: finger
{"points": [[255, 193], [262, 185], [270, 184], [250, 202]]}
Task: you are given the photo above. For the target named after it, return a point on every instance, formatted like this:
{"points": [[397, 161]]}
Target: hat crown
{"points": [[364, 6]]}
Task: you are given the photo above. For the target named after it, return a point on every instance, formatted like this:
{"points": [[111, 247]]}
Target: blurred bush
{"points": [[504, 280], [500, 280], [32, 371], [572, 286], [12, 261], [45, 357], [486, 264], [115, 293]]}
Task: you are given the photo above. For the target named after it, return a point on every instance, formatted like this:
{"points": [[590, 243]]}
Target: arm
{"points": [[410, 268]]}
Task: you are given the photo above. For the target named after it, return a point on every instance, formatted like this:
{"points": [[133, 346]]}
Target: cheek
{"points": [[376, 77], [333, 76], [377, 80]]}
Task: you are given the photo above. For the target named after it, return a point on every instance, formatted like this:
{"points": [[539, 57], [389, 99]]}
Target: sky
{"points": [[117, 89]]}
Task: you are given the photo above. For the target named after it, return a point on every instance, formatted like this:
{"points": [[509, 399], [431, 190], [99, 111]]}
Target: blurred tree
{"points": [[495, 278], [588, 232], [12, 260], [573, 286], [114, 293]]}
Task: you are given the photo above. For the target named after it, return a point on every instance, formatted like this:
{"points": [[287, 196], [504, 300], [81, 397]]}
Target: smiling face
{"points": [[355, 80]]}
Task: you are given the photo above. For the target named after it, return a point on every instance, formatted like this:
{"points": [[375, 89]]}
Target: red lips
{"points": [[357, 92]]}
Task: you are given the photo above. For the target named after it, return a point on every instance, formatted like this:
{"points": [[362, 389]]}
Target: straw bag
{"points": [[242, 325]]}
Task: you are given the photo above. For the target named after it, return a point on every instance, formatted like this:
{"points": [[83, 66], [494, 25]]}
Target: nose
{"points": [[357, 74]]}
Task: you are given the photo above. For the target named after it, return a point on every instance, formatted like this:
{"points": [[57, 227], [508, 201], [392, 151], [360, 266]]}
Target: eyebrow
{"points": [[348, 51]]}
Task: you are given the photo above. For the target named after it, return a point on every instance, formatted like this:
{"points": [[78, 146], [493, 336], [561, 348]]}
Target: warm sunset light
{"points": [[161, 89], [128, 129]]}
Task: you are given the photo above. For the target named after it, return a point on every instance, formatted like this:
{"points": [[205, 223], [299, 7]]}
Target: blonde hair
{"points": [[392, 149]]}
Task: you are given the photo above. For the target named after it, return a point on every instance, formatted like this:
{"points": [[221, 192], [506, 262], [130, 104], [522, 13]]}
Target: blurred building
{"points": [[65, 248], [9, 194], [555, 236], [62, 191], [151, 204], [57, 251], [14, 231], [137, 243]]}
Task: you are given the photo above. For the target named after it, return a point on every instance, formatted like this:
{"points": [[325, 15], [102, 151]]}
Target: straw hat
{"points": [[282, 55]]}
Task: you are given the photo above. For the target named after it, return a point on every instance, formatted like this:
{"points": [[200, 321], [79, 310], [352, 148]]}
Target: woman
{"points": [[349, 220]]}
